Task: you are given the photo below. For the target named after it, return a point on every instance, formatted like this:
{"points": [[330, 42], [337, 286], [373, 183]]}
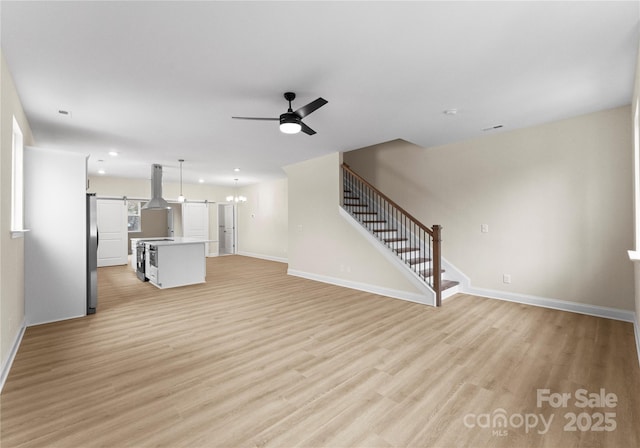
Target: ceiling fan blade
{"points": [[257, 118], [306, 129], [311, 107]]}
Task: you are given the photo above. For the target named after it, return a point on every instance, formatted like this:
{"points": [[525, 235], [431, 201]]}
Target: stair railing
{"points": [[377, 211]]}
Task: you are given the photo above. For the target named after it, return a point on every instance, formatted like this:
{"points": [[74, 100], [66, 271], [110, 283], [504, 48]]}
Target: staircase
{"points": [[417, 245]]}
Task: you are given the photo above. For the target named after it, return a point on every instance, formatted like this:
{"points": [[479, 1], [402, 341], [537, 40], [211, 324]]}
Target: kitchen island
{"points": [[171, 262]]}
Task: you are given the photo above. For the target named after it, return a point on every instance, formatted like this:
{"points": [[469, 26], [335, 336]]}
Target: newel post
{"points": [[437, 267]]}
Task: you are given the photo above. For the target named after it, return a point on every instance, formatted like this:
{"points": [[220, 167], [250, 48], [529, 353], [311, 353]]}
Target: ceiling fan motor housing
{"points": [[289, 117]]}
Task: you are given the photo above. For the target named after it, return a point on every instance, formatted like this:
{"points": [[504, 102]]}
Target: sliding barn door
{"points": [[112, 232], [195, 221]]}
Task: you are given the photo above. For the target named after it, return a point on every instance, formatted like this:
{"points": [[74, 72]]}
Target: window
{"points": [[636, 174], [17, 182], [133, 216]]}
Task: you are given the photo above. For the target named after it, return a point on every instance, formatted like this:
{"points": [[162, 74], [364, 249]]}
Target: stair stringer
{"points": [[425, 289], [452, 272], [455, 274]]}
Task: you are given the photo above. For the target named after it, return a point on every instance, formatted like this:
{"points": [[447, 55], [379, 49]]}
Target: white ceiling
{"points": [[159, 81]]}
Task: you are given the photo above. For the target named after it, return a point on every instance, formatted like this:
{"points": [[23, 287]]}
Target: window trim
{"points": [[138, 214], [17, 181]]}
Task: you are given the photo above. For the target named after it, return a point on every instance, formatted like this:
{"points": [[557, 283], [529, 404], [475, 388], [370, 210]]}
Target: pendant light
{"points": [[181, 198], [235, 197]]}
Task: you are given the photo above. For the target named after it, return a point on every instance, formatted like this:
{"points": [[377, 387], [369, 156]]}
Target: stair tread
{"points": [[349, 195], [418, 260], [446, 284], [428, 272], [402, 250]]}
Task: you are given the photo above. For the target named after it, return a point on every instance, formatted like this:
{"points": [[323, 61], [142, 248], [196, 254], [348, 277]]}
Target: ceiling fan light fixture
{"points": [[290, 123], [290, 128]]}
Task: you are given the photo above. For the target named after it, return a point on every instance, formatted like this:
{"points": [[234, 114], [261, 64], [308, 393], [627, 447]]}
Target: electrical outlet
{"points": [[484, 228], [506, 278]]}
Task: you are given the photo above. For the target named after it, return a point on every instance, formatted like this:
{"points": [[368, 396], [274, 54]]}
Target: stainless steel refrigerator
{"points": [[92, 254]]}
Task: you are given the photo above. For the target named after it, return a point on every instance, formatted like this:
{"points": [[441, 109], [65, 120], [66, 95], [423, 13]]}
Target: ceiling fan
{"points": [[290, 121]]}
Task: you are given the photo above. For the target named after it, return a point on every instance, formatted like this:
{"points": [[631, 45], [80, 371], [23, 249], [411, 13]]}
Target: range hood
{"points": [[156, 202]]}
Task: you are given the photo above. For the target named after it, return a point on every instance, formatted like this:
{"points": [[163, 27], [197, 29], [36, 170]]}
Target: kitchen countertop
{"points": [[161, 241]]}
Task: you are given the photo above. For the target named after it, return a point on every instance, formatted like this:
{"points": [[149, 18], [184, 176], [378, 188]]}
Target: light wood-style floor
{"points": [[258, 358]]}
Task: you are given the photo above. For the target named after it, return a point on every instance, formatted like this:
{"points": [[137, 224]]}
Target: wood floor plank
{"points": [[256, 358]]}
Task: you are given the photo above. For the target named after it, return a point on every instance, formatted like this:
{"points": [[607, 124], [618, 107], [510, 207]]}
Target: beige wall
{"points": [[556, 199], [263, 235], [141, 189], [321, 242], [636, 164], [153, 223], [11, 250], [263, 220]]}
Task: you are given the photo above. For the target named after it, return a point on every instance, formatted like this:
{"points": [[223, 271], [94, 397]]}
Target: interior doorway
{"points": [[226, 229]]}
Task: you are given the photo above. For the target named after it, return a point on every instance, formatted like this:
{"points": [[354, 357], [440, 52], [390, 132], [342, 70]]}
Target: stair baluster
{"points": [[416, 244]]}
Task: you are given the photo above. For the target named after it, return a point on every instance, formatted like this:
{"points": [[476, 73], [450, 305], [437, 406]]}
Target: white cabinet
{"points": [[170, 265]]}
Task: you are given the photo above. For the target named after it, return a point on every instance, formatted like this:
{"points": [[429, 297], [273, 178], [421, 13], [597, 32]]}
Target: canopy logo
{"points": [[500, 421]]}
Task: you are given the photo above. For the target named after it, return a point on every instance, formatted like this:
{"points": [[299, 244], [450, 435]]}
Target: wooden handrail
{"points": [[432, 234], [389, 200]]}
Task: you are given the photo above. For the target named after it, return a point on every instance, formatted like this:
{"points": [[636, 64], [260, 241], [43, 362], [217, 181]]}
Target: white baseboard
{"points": [[562, 305], [263, 257], [6, 365], [429, 297], [636, 330], [393, 293], [52, 321]]}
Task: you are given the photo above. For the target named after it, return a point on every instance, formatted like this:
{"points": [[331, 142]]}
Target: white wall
{"points": [[55, 247], [322, 245], [11, 250], [263, 220], [556, 199]]}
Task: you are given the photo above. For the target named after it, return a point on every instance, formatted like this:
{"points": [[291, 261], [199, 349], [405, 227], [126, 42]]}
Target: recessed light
{"points": [[201, 181], [236, 169], [113, 153], [101, 172]]}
